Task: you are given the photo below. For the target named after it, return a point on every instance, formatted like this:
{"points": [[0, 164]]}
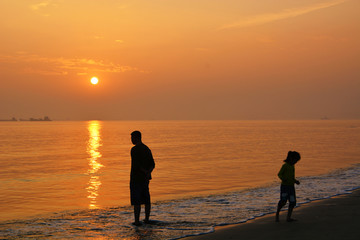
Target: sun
{"points": [[94, 80]]}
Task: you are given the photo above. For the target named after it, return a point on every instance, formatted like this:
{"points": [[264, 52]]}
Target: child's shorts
{"points": [[287, 193]]}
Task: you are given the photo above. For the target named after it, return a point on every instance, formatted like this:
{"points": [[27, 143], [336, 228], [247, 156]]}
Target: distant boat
{"points": [[325, 118], [8, 120], [46, 118]]}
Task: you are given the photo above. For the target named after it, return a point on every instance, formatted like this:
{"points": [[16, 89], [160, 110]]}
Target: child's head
{"points": [[292, 157]]}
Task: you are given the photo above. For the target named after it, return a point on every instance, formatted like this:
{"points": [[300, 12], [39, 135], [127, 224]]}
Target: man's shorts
{"points": [[139, 193], [288, 193]]}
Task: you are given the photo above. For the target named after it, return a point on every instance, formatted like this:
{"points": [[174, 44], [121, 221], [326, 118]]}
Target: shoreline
{"points": [[336, 217]]}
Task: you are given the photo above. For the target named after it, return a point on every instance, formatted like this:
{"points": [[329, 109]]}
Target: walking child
{"points": [[287, 189]]}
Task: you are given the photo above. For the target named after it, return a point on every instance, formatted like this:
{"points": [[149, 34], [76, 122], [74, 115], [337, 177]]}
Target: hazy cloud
{"points": [[62, 66], [288, 13], [42, 6]]}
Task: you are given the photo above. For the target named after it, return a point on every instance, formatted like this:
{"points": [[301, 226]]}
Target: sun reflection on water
{"points": [[94, 165]]}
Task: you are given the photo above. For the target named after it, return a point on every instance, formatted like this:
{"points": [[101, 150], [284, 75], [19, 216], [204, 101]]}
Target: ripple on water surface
{"points": [[182, 217]]}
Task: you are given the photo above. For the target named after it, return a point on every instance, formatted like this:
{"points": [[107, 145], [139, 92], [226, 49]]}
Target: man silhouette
{"points": [[142, 164]]}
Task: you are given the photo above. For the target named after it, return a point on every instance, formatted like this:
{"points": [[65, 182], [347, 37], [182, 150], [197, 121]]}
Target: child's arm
{"points": [[281, 173]]}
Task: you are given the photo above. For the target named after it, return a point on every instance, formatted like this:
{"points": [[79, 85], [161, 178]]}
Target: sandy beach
{"points": [[334, 218]]}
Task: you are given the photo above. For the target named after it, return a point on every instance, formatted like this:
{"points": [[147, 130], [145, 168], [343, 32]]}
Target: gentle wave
{"points": [[181, 217]]}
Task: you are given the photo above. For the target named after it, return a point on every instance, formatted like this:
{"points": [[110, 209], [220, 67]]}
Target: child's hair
{"points": [[292, 155]]}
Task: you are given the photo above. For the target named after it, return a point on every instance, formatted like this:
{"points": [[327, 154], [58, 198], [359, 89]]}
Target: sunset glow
{"points": [[229, 60]]}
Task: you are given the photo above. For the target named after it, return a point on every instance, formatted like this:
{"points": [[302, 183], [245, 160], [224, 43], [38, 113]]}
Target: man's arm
{"points": [[150, 164], [135, 159]]}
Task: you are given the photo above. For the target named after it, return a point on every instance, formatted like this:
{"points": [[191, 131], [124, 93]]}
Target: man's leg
{"points": [[147, 202], [137, 210], [147, 212]]}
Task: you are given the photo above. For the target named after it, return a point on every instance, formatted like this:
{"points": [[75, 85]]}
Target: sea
{"points": [[70, 179]]}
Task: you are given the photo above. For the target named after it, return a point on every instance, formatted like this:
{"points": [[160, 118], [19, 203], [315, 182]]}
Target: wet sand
{"points": [[334, 218]]}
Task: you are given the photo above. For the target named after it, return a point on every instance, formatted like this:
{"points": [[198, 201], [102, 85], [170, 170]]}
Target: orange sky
{"points": [[180, 59]]}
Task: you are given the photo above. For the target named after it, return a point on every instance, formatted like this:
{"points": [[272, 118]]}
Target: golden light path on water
{"points": [[94, 165]]}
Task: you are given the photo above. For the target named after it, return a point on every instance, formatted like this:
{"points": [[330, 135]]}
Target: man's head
{"points": [[136, 137]]}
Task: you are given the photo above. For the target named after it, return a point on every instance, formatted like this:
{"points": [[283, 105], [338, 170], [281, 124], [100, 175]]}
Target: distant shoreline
{"points": [[45, 119]]}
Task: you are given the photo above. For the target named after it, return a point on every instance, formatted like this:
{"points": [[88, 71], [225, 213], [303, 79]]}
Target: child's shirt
{"points": [[287, 174]]}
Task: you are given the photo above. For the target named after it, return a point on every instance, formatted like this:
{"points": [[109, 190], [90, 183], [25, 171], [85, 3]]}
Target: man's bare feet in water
{"points": [[137, 224]]}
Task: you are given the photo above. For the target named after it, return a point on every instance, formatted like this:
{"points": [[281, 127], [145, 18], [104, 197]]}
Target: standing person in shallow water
{"points": [[287, 189], [142, 164]]}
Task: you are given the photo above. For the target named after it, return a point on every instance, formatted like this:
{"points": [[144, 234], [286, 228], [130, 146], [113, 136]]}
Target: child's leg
{"points": [[291, 207], [284, 196], [292, 204], [280, 205]]}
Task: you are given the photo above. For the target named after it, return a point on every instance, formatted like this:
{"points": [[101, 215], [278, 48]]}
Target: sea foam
{"points": [[181, 217]]}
